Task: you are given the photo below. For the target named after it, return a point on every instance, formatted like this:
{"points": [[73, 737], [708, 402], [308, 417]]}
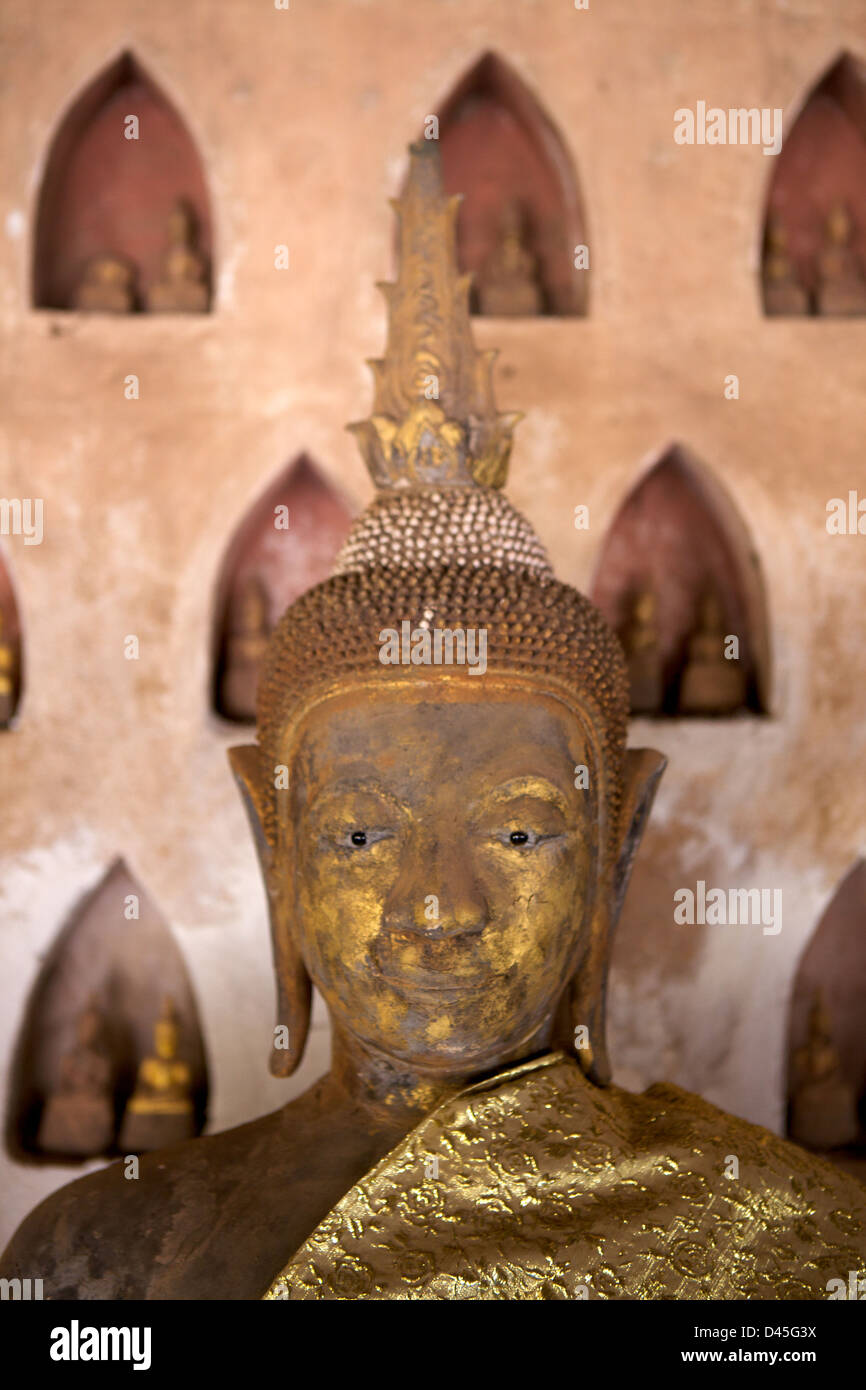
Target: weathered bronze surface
{"points": [[508, 284], [823, 1103], [841, 282], [10, 675], [78, 1118], [183, 286], [445, 850], [783, 291], [244, 648], [640, 640], [160, 1110], [107, 287], [711, 682]]}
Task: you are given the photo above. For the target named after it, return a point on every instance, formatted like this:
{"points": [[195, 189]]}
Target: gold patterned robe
{"points": [[538, 1184]]}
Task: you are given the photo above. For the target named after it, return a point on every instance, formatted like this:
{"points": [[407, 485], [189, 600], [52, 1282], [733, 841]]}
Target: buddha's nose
{"points": [[436, 894]]}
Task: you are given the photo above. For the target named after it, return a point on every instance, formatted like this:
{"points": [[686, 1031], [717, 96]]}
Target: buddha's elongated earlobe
{"points": [[294, 989], [585, 1001]]}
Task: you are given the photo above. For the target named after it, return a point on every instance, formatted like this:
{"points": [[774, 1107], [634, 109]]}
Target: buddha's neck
{"points": [[397, 1094]]}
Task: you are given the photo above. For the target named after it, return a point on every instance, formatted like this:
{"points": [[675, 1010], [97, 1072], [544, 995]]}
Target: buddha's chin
{"points": [[466, 1057], [450, 1036]]}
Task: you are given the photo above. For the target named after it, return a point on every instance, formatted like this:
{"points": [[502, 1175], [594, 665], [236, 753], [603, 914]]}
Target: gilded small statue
{"points": [[433, 867], [508, 284], [823, 1103], [8, 675], [160, 1110], [712, 683], [640, 640], [182, 287], [244, 648], [78, 1115], [784, 293], [841, 283], [108, 286]]}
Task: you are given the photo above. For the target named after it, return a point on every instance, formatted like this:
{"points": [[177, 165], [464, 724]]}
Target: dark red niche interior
{"points": [[102, 193], [834, 961], [678, 533], [821, 163], [285, 562], [498, 145], [10, 634], [127, 966]]}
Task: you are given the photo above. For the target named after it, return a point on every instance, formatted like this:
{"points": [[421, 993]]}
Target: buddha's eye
{"points": [[358, 838], [521, 839]]}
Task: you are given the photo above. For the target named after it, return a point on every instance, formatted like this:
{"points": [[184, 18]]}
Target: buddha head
{"points": [[445, 843]]}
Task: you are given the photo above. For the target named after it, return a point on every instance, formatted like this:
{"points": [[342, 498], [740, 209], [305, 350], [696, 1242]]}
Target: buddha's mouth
{"points": [[442, 966]]}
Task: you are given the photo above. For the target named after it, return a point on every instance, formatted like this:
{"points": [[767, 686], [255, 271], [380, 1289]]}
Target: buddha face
{"points": [[444, 868]]}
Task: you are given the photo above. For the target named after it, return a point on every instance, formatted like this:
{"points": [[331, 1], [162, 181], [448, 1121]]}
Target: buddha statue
{"points": [[508, 284], [640, 640], [244, 647], [784, 292], [823, 1104], [711, 682], [78, 1116], [182, 288], [841, 283], [434, 867], [8, 675], [108, 286], [160, 1109]]}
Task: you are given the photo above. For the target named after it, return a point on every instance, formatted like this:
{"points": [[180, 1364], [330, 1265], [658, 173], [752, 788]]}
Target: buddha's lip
{"points": [[444, 966], [451, 991], [428, 984]]}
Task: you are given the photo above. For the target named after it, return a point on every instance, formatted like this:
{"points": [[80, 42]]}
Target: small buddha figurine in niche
{"points": [[466, 1142], [182, 288], [823, 1104], [841, 283], [245, 644], [640, 640], [508, 283], [711, 682], [78, 1116], [783, 291], [160, 1110], [108, 286], [8, 675]]}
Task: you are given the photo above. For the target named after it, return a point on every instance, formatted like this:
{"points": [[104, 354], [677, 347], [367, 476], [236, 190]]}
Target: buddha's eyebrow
{"points": [[350, 787], [530, 786]]}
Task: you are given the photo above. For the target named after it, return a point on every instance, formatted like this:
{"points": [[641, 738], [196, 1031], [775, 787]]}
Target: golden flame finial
{"points": [[434, 418]]}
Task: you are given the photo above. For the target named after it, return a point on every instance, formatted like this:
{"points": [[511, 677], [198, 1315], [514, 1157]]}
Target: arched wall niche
{"points": [[267, 566], [833, 966], [679, 537], [501, 150], [11, 651], [126, 966], [105, 195], [821, 166]]}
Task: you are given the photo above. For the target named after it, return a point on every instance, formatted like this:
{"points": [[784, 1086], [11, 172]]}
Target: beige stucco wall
{"points": [[302, 118]]}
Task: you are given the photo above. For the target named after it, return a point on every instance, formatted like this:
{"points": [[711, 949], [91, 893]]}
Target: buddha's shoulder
{"points": [[150, 1206], [668, 1119]]}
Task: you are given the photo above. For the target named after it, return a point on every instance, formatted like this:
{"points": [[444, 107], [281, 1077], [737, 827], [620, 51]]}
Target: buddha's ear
{"points": [[586, 998], [294, 989], [246, 766], [641, 777]]}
